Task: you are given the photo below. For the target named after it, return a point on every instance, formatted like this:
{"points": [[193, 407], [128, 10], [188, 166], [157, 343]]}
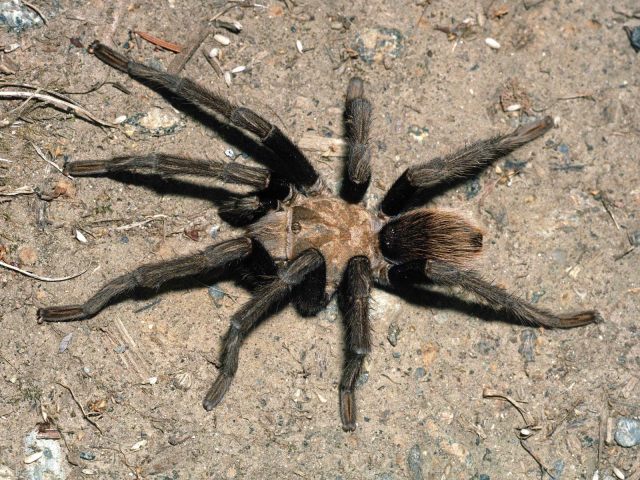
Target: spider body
{"points": [[338, 230], [317, 244]]}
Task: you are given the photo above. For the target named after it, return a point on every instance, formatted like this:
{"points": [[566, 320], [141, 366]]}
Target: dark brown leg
{"points": [[294, 166], [358, 123], [467, 161], [354, 303], [497, 297], [169, 165], [244, 320], [151, 276]]}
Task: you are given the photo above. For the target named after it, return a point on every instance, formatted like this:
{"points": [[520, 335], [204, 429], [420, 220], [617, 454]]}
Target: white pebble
{"points": [[221, 39], [214, 52], [230, 153], [513, 108], [80, 237], [238, 69], [227, 78], [299, 46], [152, 380], [138, 445], [120, 119], [33, 457], [492, 43], [618, 473], [10, 48], [556, 121]]}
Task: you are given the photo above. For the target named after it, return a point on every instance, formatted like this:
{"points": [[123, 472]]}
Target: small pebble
{"points": [[392, 333], [152, 380], [634, 37], [513, 108], [87, 456], [80, 237], [627, 432], [34, 457], [64, 344], [420, 372], [138, 445], [492, 43], [227, 78], [120, 119], [299, 46], [214, 230], [27, 255], [221, 39], [414, 462], [214, 52], [183, 381], [618, 473], [120, 348], [238, 69]]}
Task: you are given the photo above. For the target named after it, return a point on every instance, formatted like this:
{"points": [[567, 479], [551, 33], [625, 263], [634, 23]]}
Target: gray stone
{"points": [[627, 432]]}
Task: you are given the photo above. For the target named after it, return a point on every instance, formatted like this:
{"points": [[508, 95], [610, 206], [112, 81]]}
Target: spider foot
{"points": [[217, 392], [580, 319], [348, 410], [64, 313]]}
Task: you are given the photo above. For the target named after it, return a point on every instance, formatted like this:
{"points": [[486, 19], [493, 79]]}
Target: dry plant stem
{"points": [[41, 278], [158, 42], [77, 402], [35, 9], [526, 416], [56, 102], [26, 190]]}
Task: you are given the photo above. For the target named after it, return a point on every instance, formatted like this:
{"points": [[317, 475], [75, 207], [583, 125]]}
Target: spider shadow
{"points": [[427, 298], [173, 186], [228, 133]]}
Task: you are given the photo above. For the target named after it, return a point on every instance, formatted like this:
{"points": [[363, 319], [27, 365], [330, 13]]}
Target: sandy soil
{"points": [[561, 218]]}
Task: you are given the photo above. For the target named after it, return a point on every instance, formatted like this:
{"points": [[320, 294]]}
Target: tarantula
{"points": [[307, 244]]}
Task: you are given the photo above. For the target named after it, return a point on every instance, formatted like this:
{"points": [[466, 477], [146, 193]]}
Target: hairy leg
{"points": [[168, 165], [244, 320], [466, 161], [441, 273], [358, 123], [354, 303], [151, 276], [294, 166]]}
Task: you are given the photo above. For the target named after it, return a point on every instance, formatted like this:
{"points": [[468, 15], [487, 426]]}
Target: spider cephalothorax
{"points": [[317, 244]]}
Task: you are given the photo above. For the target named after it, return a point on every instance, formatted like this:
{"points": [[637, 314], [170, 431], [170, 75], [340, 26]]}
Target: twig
{"points": [[84, 414], [605, 204], [158, 42], [35, 9], [141, 223], [526, 416], [44, 157], [5, 160], [543, 468], [178, 63], [56, 102], [26, 190], [38, 277]]}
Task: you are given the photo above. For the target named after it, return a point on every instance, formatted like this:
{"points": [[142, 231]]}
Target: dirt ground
{"points": [[561, 219]]}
